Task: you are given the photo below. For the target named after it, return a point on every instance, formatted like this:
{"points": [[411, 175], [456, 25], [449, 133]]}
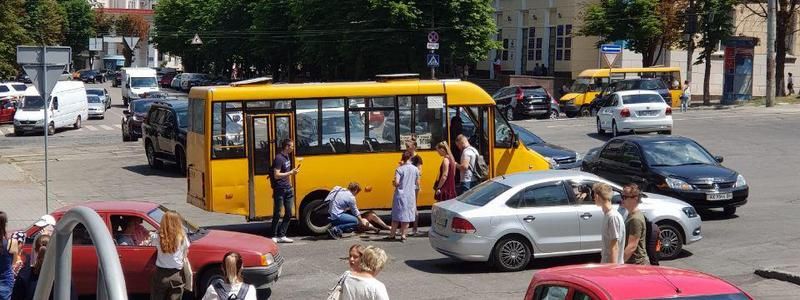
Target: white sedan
{"points": [[635, 111]]}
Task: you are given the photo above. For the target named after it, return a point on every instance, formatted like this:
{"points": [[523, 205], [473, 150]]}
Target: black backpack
{"points": [[653, 241], [222, 292]]}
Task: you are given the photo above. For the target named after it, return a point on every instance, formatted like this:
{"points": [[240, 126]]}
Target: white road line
{"points": [[106, 127], [118, 126], [90, 127]]}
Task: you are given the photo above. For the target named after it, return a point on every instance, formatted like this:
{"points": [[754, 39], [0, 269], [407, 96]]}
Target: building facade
{"points": [[544, 33]]}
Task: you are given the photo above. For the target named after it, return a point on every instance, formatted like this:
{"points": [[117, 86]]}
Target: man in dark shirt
{"points": [[282, 193], [635, 226]]}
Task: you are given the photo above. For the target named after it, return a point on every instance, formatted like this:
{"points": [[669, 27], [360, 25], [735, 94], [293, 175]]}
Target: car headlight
{"points": [[740, 182], [267, 259], [677, 184], [578, 156], [552, 162], [137, 118], [690, 212]]}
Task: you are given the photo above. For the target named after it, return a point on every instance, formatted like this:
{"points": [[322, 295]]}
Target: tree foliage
{"points": [[79, 25], [13, 34], [131, 25], [322, 40], [45, 22], [786, 25], [648, 26]]}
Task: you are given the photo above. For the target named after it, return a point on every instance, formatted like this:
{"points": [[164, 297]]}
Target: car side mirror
{"points": [[635, 164], [55, 104], [515, 140], [719, 159], [126, 112]]}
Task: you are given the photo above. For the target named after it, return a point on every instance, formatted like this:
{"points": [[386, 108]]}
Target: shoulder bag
{"points": [[336, 291]]}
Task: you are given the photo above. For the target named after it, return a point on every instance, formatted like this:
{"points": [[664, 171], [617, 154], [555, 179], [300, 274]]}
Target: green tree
{"points": [[648, 26], [467, 28], [787, 12], [79, 26], [274, 46], [45, 21], [715, 25], [131, 25], [13, 31]]}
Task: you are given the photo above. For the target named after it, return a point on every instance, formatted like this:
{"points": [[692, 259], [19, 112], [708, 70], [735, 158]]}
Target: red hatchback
{"points": [[7, 111], [262, 262], [605, 282]]}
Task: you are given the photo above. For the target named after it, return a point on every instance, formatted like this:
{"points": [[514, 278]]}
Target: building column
{"points": [[546, 39], [520, 38]]}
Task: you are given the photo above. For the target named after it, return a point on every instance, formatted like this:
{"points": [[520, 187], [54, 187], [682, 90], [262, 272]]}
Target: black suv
{"points": [[517, 101], [650, 84], [164, 133]]}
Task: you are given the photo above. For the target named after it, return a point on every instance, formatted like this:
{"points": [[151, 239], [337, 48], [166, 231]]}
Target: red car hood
{"points": [[236, 241]]}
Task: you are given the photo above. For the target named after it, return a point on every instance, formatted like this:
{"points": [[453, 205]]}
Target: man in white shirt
{"points": [[469, 156], [613, 232]]}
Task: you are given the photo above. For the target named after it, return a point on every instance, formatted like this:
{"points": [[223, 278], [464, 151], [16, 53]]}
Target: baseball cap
{"points": [[45, 220]]}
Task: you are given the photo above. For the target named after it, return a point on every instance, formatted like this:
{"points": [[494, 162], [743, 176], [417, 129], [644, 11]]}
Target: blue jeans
{"points": [[684, 104], [345, 223], [465, 186], [280, 198]]}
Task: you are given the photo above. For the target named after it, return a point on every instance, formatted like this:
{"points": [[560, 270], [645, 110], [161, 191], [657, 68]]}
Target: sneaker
{"points": [[332, 233], [284, 239], [275, 240]]}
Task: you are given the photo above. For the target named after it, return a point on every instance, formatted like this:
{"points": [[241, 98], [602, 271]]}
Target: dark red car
{"points": [[607, 281], [166, 80], [7, 111], [262, 261]]}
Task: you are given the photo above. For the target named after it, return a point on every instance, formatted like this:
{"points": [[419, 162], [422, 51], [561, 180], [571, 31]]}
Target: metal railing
{"points": [[58, 259]]}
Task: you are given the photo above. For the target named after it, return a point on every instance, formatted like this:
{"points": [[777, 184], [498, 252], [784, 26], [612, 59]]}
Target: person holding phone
{"points": [[282, 193]]}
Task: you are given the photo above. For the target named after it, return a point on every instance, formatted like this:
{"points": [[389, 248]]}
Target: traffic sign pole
{"points": [[433, 59]]}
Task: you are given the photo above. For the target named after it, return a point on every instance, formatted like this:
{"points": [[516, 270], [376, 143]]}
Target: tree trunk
{"points": [[782, 23], [707, 79]]}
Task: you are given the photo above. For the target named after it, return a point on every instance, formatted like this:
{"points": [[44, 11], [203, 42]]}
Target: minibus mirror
{"points": [[55, 103], [515, 140], [719, 159]]}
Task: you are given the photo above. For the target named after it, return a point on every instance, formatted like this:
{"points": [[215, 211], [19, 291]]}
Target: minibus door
{"points": [[264, 135]]}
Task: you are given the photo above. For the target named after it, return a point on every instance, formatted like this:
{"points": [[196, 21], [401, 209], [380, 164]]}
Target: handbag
{"points": [[186, 272], [336, 291]]}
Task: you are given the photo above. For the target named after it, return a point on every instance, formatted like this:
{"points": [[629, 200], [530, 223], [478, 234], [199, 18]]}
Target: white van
{"points": [[136, 82], [67, 107]]}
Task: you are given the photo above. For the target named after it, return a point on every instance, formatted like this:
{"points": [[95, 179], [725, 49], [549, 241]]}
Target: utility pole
{"points": [[771, 14], [691, 29]]}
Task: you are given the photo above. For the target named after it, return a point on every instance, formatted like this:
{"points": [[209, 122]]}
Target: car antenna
{"points": [[677, 289]]}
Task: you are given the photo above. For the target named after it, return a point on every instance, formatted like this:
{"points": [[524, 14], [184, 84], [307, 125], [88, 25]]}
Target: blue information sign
{"points": [[610, 48], [433, 60]]}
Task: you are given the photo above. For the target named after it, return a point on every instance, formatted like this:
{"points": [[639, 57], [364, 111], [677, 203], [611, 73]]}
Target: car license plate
{"points": [[441, 221], [648, 113], [27, 127], [719, 196]]}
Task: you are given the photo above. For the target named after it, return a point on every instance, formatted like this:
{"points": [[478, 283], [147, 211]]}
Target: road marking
{"points": [[90, 127], [118, 126], [106, 127]]}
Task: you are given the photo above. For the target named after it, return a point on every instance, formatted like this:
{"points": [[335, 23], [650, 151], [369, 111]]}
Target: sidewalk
{"points": [[23, 199]]}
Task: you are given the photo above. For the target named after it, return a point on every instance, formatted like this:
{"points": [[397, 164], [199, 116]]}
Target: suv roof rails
{"points": [[400, 76]]}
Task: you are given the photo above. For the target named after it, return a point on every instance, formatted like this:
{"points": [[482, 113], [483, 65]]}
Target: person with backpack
{"points": [[343, 211], [635, 227], [233, 288], [472, 172]]}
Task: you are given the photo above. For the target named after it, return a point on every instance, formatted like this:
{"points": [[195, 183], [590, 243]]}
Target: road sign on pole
{"points": [[131, 41], [95, 44], [432, 46], [610, 53], [433, 37], [44, 65], [433, 60], [196, 40]]}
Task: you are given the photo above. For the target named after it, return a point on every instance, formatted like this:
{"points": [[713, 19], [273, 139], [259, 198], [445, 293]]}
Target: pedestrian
{"points": [[233, 287], [544, 70], [360, 283], [282, 193], [613, 231], [686, 96], [405, 180], [173, 247], [635, 227], [790, 84], [28, 277], [343, 211], [536, 70], [497, 67], [564, 89], [456, 129], [469, 157], [445, 185], [417, 162], [7, 256]]}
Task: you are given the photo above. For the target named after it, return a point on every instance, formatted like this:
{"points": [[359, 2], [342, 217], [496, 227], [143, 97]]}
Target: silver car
{"points": [[511, 219], [97, 108]]}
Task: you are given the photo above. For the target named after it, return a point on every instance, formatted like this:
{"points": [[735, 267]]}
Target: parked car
{"points": [[91, 76], [559, 157], [164, 133], [13, 91], [176, 82], [608, 282], [634, 111], [189, 80], [512, 219], [670, 165], [132, 118], [520, 101], [67, 108], [650, 84], [102, 93], [166, 80], [260, 256], [97, 108], [24, 78], [7, 110]]}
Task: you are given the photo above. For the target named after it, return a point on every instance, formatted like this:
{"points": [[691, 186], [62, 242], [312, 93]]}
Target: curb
{"points": [[774, 273]]}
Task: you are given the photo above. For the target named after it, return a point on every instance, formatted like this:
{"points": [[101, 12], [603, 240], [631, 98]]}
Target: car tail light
{"points": [[462, 226], [625, 113], [669, 111], [520, 95]]}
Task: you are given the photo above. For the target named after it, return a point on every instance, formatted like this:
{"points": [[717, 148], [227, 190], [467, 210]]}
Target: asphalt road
{"points": [[94, 164]]}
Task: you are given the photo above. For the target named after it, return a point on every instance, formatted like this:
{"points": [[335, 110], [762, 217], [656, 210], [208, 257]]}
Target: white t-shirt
{"points": [[360, 288], [211, 293], [471, 154], [613, 228], [170, 260]]}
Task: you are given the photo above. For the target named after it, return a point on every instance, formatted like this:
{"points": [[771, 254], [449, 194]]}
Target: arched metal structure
{"points": [[58, 260]]}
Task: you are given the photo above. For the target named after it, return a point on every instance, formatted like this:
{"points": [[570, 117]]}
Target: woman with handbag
{"points": [[445, 186], [173, 247], [360, 283]]}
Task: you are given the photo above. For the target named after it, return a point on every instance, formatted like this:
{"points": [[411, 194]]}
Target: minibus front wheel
{"points": [[314, 216]]}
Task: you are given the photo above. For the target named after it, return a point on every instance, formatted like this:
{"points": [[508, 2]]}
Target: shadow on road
{"points": [[453, 266], [165, 171], [599, 137], [716, 215]]}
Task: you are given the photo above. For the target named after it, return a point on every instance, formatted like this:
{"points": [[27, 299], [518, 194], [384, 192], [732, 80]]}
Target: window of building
{"points": [[564, 42], [532, 43], [227, 131], [505, 49]]}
